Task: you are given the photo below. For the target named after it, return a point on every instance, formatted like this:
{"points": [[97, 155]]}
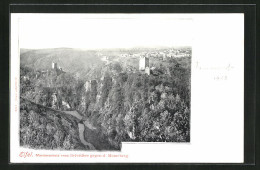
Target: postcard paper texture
{"points": [[127, 88]]}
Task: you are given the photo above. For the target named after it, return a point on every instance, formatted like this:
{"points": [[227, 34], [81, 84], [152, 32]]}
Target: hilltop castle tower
{"points": [[143, 63], [54, 66]]}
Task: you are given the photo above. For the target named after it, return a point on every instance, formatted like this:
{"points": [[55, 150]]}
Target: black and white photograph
{"points": [[127, 88], [93, 83]]}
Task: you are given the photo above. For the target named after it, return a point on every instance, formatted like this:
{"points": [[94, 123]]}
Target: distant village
{"points": [[144, 57], [164, 54]]}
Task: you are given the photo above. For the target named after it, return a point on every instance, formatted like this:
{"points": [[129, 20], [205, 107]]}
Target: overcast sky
{"points": [[104, 31]]}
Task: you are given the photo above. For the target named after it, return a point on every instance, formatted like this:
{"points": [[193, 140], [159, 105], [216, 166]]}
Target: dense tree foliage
{"points": [[127, 105], [45, 129]]}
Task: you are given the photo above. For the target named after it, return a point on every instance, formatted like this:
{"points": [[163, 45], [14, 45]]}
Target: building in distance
{"points": [[143, 63]]}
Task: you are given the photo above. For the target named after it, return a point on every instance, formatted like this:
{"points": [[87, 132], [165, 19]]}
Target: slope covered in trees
{"points": [[43, 128], [124, 104]]}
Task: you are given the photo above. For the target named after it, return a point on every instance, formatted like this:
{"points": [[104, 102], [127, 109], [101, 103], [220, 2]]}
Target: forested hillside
{"points": [[123, 102], [43, 128], [71, 60]]}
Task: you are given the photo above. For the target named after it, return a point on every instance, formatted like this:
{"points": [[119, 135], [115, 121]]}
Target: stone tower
{"points": [[143, 63], [54, 66]]}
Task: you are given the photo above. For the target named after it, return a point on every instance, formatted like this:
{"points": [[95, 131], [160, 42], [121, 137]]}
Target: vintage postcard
{"points": [[89, 88]]}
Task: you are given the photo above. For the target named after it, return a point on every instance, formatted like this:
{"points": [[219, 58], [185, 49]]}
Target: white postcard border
{"points": [[217, 101]]}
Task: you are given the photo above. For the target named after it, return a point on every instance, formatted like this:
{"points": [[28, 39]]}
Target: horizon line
{"points": [[177, 46]]}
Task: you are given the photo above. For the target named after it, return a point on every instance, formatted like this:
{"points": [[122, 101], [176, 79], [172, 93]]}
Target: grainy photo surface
{"points": [[93, 83]]}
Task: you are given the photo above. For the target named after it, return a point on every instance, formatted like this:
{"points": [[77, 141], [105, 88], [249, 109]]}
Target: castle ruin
{"points": [[144, 64], [56, 68]]}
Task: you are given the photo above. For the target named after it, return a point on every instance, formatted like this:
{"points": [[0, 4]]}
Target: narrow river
{"points": [[81, 128], [89, 134], [81, 136]]}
